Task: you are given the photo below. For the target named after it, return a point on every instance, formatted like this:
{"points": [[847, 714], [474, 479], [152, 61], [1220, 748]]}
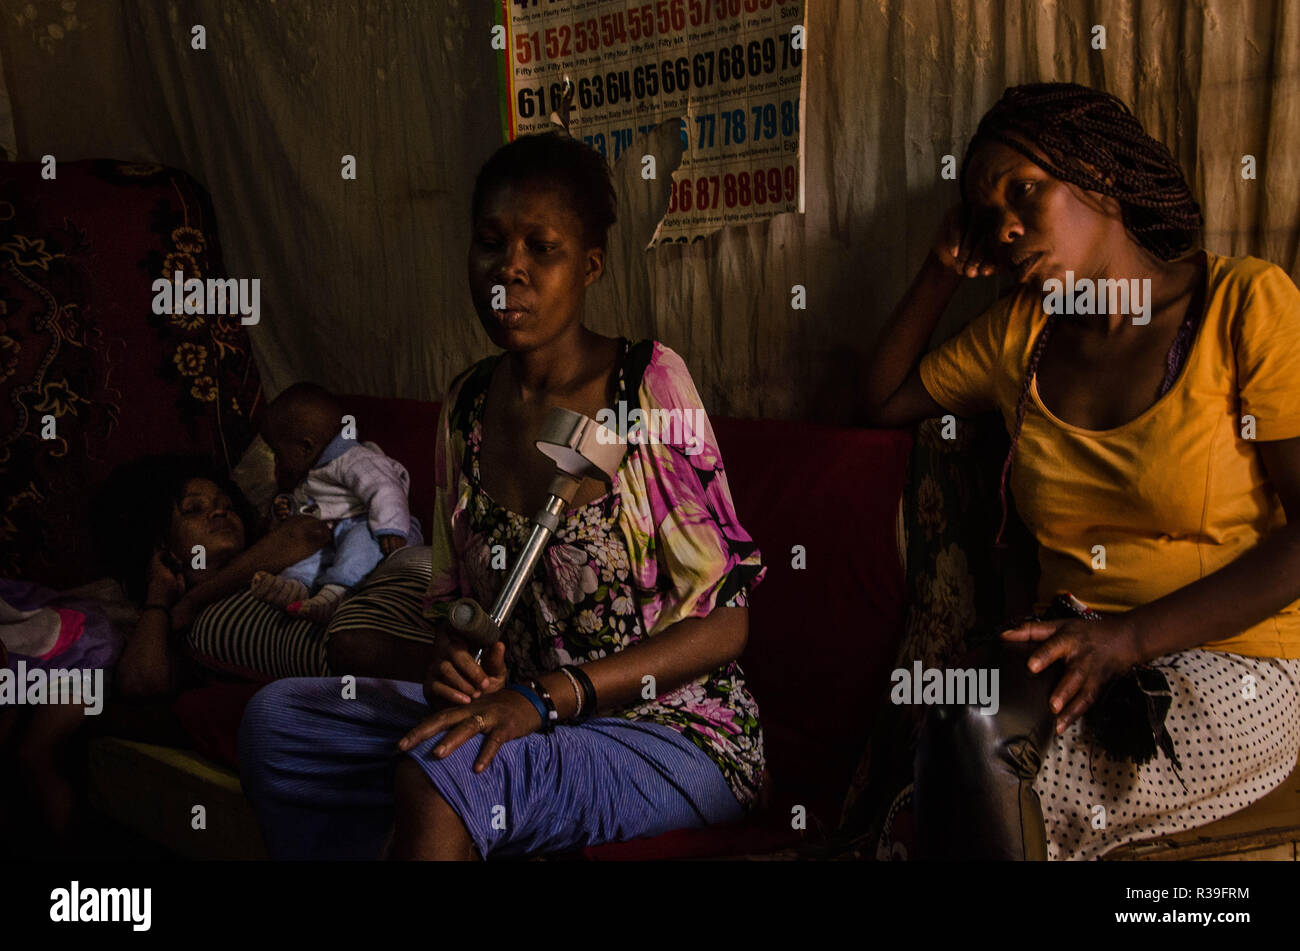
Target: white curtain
{"points": [[363, 283]]}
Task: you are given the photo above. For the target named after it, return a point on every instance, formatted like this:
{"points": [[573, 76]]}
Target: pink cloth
{"points": [[72, 624]]}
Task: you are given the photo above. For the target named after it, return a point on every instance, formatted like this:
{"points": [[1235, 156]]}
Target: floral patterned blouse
{"points": [[662, 545]]}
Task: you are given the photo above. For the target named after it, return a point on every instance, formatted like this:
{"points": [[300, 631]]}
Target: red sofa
{"points": [[822, 638]]}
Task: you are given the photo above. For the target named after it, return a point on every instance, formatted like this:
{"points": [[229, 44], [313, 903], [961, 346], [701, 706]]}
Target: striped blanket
{"points": [[249, 638]]}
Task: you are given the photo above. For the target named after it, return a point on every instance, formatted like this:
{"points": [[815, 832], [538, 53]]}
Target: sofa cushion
{"points": [[211, 715], [405, 430], [823, 630]]}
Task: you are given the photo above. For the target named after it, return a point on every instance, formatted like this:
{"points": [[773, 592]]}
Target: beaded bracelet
{"points": [[552, 715]]}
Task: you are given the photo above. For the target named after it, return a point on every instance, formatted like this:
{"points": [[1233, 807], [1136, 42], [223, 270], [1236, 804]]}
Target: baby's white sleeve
{"points": [[382, 484]]}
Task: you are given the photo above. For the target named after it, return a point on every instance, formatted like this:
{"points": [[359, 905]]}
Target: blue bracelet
{"points": [[531, 696]]}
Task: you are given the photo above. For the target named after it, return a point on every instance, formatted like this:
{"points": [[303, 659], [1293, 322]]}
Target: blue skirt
{"points": [[319, 771]]}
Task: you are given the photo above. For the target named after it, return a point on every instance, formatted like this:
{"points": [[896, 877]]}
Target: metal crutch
{"points": [[581, 449]]}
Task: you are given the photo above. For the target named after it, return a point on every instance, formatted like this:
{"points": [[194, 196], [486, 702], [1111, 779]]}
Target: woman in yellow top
{"points": [[1156, 458]]}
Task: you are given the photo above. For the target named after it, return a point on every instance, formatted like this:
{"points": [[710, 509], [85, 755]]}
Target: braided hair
{"points": [[1089, 138]]}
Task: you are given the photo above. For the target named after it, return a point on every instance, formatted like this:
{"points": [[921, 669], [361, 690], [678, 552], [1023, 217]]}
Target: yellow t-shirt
{"points": [[1173, 495]]}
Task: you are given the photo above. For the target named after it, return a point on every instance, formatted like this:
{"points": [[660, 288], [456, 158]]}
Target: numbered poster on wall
{"points": [[730, 71]]}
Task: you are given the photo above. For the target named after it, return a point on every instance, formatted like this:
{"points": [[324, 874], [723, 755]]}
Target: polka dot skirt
{"points": [[1235, 724]]}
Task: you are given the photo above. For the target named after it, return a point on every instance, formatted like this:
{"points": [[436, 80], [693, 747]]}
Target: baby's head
{"points": [[299, 424]]}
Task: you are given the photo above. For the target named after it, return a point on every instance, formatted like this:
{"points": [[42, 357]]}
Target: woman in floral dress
{"points": [[613, 707]]}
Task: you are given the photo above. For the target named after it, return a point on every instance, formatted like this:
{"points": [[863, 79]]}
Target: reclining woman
{"points": [[628, 635], [147, 518], [1157, 463], [150, 515]]}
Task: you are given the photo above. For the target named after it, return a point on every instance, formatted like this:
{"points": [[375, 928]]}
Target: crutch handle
{"points": [[473, 623]]}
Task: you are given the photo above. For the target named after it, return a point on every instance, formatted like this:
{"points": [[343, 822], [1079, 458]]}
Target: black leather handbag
{"points": [[1128, 719]]}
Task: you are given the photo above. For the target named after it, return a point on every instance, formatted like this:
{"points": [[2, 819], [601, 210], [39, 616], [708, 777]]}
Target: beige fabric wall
{"points": [[363, 282]]}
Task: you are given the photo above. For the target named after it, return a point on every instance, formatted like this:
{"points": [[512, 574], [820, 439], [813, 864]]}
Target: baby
{"points": [[339, 480]]}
